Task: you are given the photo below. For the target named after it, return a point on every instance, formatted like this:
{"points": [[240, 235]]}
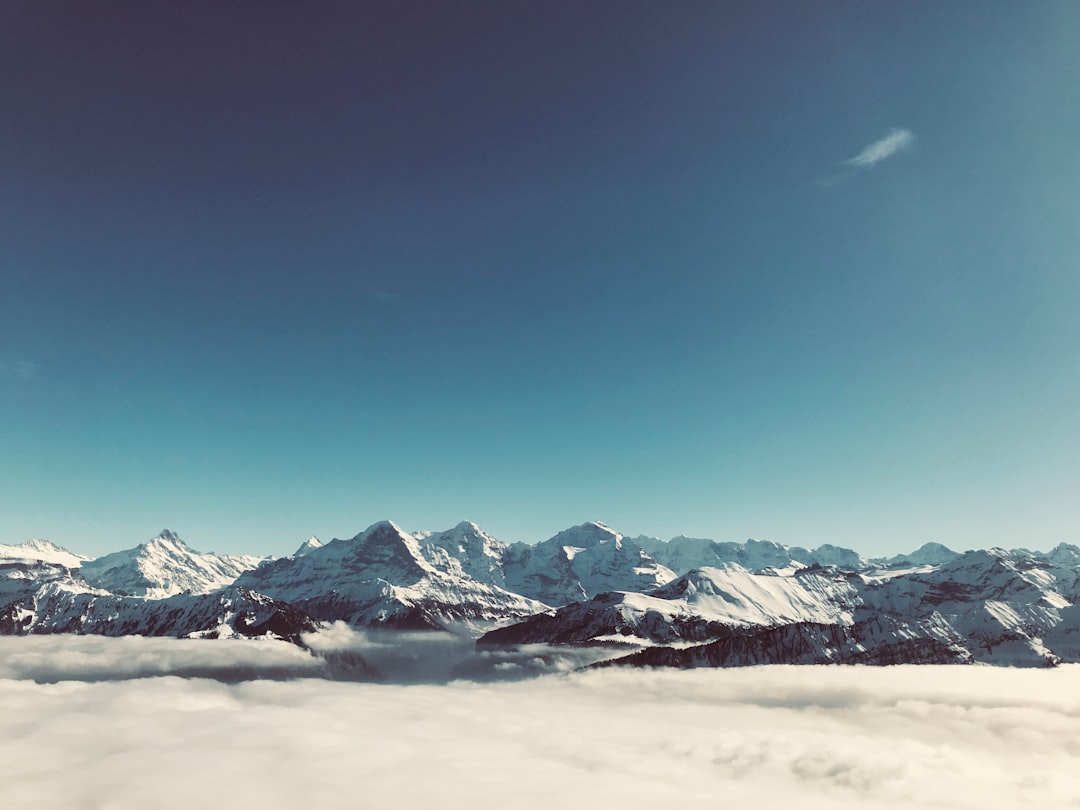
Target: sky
{"points": [[807, 274], [103, 734]]}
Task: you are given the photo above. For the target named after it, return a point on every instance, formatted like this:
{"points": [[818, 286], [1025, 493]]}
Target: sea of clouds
{"points": [[99, 723]]}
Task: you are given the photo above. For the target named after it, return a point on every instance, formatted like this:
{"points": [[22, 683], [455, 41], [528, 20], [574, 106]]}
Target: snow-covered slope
{"points": [[466, 550], [877, 641], [308, 546], [682, 554], [752, 602], [233, 613], [41, 551], [1004, 607], [703, 604], [163, 567], [581, 562], [380, 577], [1001, 602], [27, 566]]}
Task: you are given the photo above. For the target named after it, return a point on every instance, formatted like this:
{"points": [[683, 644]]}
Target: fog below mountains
{"points": [[101, 734], [336, 653]]}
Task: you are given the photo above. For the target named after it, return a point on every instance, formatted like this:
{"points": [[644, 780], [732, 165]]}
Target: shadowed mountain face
{"points": [[758, 602], [231, 613], [579, 563], [1000, 607], [381, 577], [878, 641]]}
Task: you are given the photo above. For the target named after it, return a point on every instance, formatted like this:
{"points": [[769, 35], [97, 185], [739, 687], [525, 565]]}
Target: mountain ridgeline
{"points": [[684, 602]]}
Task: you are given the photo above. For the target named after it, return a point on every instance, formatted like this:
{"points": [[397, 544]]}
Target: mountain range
{"points": [[684, 602]]}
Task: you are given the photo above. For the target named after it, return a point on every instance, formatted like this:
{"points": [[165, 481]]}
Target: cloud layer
{"points": [[812, 737], [897, 140]]}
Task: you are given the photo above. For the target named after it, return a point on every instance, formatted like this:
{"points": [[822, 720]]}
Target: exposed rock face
{"points": [[381, 577], [235, 612], [705, 603], [876, 641], [1014, 608], [579, 563], [466, 550], [756, 602]]}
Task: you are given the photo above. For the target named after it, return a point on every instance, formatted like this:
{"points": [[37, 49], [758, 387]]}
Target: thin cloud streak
{"points": [[897, 140]]}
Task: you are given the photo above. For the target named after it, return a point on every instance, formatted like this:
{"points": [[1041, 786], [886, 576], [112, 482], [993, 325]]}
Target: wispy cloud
{"points": [[894, 142], [897, 140]]}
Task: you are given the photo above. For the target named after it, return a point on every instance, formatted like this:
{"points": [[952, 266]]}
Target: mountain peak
{"points": [[43, 550], [592, 530], [167, 536], [308, 546], [162, 567], [37, 544], [380, 527]]}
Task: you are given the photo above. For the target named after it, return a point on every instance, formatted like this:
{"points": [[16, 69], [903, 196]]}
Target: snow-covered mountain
{"points": [[880, 641], [308, 546], [735, 603], [581, 562], [1002, 607], [465, 550], [164, 566], [381, 577], [59, 607], [1003, 603], [682, 554], [707, 603], [927, 554], [27, 566], [40, 551]]}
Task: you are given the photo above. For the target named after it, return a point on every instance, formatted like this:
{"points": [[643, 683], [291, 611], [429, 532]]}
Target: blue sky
{"points": [[268, 270]]}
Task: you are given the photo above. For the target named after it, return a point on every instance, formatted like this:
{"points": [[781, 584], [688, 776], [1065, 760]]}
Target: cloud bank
{"points": [[49, 659], [811, 737], [897, 140]]}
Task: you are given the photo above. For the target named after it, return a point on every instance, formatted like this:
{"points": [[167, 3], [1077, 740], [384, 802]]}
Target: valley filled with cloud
{"points": [[96, 723]]}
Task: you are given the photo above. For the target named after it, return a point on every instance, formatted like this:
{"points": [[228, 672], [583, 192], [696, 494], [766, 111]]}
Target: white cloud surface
{"points": [[807, 737], [896, 140], [97, 658]]}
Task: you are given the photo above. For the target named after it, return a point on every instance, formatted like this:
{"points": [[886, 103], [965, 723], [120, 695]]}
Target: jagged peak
{"points": [[379, 528], [308, 546], [388, 532], [165, 536]]}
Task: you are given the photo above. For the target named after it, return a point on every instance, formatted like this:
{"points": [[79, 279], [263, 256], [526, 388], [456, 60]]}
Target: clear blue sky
{"points": [[274, 269]]}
